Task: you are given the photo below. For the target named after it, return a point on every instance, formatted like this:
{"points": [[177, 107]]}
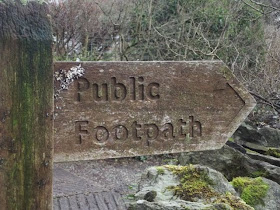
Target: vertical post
{"points": [[26, 106]]}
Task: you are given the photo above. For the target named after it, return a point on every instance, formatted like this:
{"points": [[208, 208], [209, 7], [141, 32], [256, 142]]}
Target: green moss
{"points": [[188, 138], [226, 73], [251, 151], [234, 202], [160, 170], [194, 183], [259, 173], [273, 152], [132, 186], [131, 197], [31, 95], [231, 139], [252, 190]]}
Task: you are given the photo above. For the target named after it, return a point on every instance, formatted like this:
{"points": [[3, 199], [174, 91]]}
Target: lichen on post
{"points": [[26, 106]]}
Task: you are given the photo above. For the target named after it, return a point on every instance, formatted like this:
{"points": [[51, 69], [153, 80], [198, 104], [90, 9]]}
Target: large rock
{"points": [[271, 135], [265, 158], [236, 146], [257, 139], [156, 190], [248, 132], [271, 200], [231, 163], [227, 160], [161, 178], [175, 205], [153, 181]]}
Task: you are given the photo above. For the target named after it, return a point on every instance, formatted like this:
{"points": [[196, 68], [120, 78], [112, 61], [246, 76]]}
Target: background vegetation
{"points": [[242, 33]]}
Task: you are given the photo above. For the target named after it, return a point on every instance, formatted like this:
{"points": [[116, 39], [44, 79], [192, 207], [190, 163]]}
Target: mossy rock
{"points": [[274, 152], [160, 170], [186, 187], [259, 173], [196, 183], [234, 202], [252, 190]]}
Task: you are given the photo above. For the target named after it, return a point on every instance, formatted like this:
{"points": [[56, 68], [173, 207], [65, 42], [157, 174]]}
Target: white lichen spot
{"points": [[66, 77], [166, 119]]}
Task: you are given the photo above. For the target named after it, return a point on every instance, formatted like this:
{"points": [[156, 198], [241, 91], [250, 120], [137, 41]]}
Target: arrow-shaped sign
{"points": [[121, 109]]}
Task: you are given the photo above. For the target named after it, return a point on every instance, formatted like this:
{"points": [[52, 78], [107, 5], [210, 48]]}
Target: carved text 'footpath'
{"points": [[139, 132]]}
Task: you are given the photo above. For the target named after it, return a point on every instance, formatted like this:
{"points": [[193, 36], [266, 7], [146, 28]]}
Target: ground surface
{"points": [[100, 184]]}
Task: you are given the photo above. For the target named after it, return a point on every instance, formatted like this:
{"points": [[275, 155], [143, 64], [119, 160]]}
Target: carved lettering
{"points": [[100, 93], [133, 88], [151, 131], [120, 132], [168, 131], [135, 130], [153, 91], [82, 85], [114, 90], [146, 132], [118, 90], [81, 129], [194, 124], [182, 125], [141, 88], [101, 133]]}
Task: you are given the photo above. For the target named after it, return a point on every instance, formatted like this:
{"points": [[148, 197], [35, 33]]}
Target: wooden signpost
{"points": [[26, 106], [102, 109], [122, 109]]}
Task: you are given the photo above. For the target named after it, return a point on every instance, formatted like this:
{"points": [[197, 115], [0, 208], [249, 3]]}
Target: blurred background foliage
{"points": [[244, 34]]}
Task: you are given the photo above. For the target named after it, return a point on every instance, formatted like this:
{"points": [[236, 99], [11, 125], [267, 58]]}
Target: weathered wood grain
{"points": [[121, 109], [26, 106]]}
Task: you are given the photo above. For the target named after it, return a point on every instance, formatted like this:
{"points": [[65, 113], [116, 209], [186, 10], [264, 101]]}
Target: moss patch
{"points": [[226, 73], [273, 152], [259, 173], [231, 139], [252, 190], [234, 202], [194, 183], [160, 170], [251, 151]]}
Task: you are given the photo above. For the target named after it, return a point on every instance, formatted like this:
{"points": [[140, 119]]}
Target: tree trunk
{"points": [[26, 106]]}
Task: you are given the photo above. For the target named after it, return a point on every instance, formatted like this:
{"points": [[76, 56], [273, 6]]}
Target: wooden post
{"points": [[26, 106]]}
